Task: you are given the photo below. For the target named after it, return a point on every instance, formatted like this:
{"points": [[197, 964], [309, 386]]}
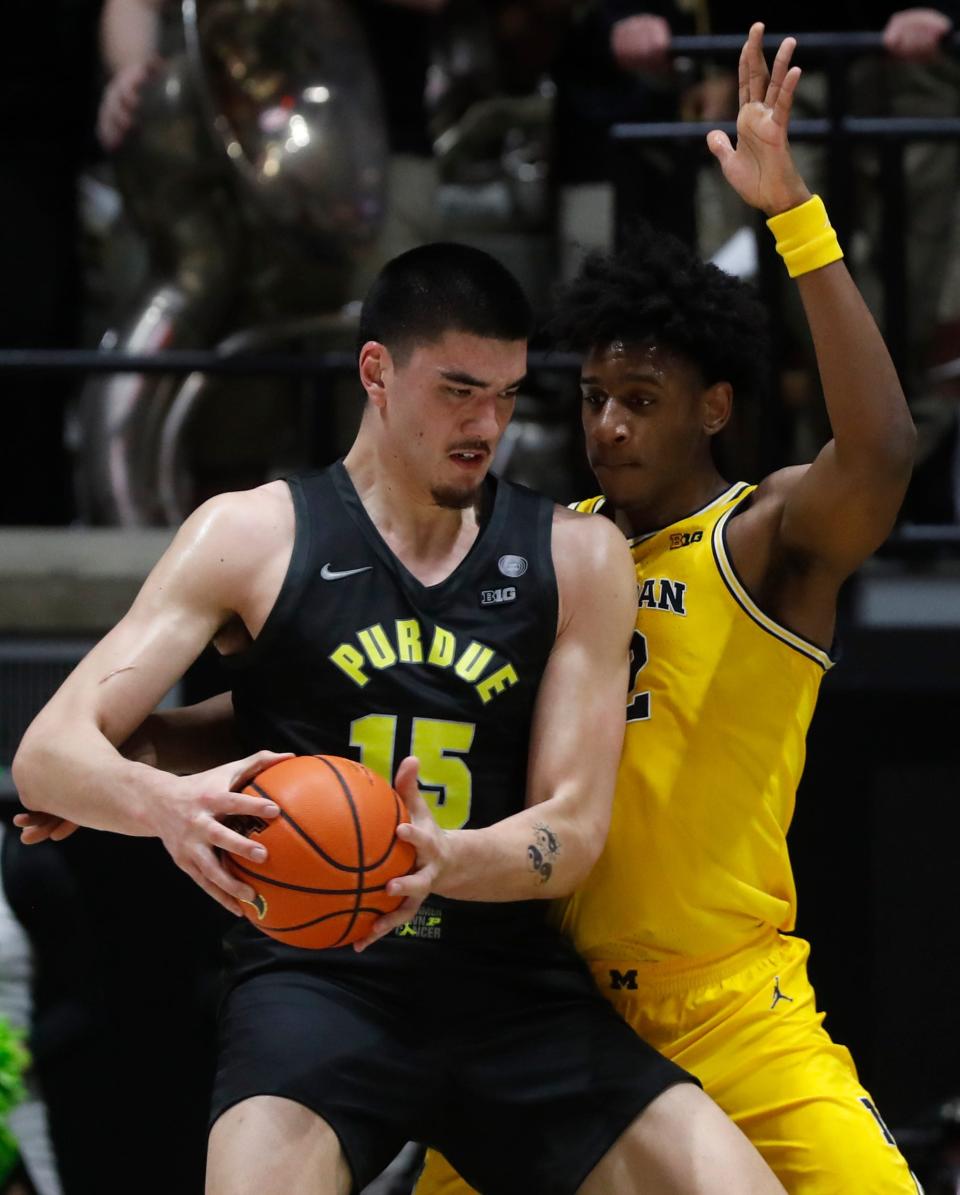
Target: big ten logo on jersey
{"points": [[498, 597], [384, 646], [660, 593], [683, 539]]}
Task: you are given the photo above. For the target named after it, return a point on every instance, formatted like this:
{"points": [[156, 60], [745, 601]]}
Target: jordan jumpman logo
{"points": [[777, 994]]}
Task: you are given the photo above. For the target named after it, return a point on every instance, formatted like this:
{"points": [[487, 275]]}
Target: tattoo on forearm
{"points": [[543, 851]]}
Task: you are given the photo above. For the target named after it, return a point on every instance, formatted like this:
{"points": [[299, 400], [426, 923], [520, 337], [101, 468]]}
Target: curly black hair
{"points": [[657, 290]]}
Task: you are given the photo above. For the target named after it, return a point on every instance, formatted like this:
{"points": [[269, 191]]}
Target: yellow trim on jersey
{"points": [[730, 494], [592, 506], [739, 592], [589, 506]]}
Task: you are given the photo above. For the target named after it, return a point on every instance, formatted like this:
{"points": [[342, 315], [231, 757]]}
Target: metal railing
{"points": [[59, 362], [908, 540], [837, 131]]}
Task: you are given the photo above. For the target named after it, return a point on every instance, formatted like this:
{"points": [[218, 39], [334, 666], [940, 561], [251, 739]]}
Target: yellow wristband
{"points": [[805, 238]]}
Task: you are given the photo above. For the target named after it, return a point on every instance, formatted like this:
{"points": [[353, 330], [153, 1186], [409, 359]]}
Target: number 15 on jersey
{"points": [[445, 779]]}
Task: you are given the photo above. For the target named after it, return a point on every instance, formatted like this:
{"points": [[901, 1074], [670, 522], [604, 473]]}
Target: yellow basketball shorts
{"points": [[749, 1029]]}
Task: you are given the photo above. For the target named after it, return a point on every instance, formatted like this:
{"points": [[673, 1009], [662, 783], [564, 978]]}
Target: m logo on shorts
{"points": [[623, 979]]}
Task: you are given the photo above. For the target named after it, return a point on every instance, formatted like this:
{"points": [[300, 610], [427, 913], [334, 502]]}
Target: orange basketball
{"points": [[330, 853]]}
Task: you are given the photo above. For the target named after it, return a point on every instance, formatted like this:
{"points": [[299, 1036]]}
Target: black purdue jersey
{"points": [[359, 659]]}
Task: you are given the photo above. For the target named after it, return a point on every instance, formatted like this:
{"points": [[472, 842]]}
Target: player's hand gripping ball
{"points": [[330, 853]]}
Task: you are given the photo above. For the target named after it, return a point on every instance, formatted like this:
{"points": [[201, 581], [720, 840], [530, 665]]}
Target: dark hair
{"points": [[438, 288], [657, 290]]}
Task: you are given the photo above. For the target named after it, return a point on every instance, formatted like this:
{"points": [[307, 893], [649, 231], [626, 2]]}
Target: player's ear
{"points": [[375, 366], [716, 407]]}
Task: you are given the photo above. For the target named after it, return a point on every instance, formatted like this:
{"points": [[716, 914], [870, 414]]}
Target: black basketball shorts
{"points": [[508, 1061]]}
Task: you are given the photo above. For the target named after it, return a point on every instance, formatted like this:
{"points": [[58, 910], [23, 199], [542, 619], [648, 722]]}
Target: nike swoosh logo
{"points": [[329, 574]]}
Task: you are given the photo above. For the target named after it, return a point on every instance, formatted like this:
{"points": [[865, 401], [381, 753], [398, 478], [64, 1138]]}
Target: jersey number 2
{"points": [[445, 780], [638, 704]]}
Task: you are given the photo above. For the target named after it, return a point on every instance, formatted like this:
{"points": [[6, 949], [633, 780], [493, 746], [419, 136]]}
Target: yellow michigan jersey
{"points": [[721, 699], [682, 918]]}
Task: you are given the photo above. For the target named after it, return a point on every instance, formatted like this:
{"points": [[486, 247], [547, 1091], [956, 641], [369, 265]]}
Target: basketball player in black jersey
{"points": [[402, 603]]}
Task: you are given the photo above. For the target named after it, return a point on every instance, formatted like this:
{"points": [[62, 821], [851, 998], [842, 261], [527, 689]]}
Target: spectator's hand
{"points": [[915, 34], [711, 100], [121, 102], [429, 841], [761, 169], [641, 43], [37, 827], [190, 823]]}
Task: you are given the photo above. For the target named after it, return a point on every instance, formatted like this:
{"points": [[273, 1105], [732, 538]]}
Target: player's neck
{"points": [[430, 540], [672, 504]]}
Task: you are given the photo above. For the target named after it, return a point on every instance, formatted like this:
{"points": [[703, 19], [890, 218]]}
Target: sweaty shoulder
{"points": [[587, 534], [236, 548], [595, 571], [241, 528]]}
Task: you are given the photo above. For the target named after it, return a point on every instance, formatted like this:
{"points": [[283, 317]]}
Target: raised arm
{"points": [[841, 508], [68, 764], [548, 849]]}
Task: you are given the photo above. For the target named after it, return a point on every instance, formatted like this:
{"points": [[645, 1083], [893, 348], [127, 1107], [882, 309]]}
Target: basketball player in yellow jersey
{"points": [[685, 920]]}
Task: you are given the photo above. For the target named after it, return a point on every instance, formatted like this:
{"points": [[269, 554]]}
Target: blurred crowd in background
{"points": [[117, 196], [155, 193]]}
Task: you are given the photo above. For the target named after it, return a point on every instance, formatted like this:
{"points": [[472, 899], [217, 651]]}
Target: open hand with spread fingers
{"points": [[193, 824], [761, 168]]}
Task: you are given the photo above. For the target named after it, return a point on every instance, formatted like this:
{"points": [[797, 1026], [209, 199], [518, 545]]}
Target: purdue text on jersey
{"points": [[404, 642]]}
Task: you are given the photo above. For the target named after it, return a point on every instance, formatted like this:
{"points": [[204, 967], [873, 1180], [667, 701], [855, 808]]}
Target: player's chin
{"points": [[623, 485], [460, 492], [455, 497]]}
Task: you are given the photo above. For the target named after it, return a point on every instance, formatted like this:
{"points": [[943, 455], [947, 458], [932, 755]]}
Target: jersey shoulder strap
{"points": [[589, 506]]}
